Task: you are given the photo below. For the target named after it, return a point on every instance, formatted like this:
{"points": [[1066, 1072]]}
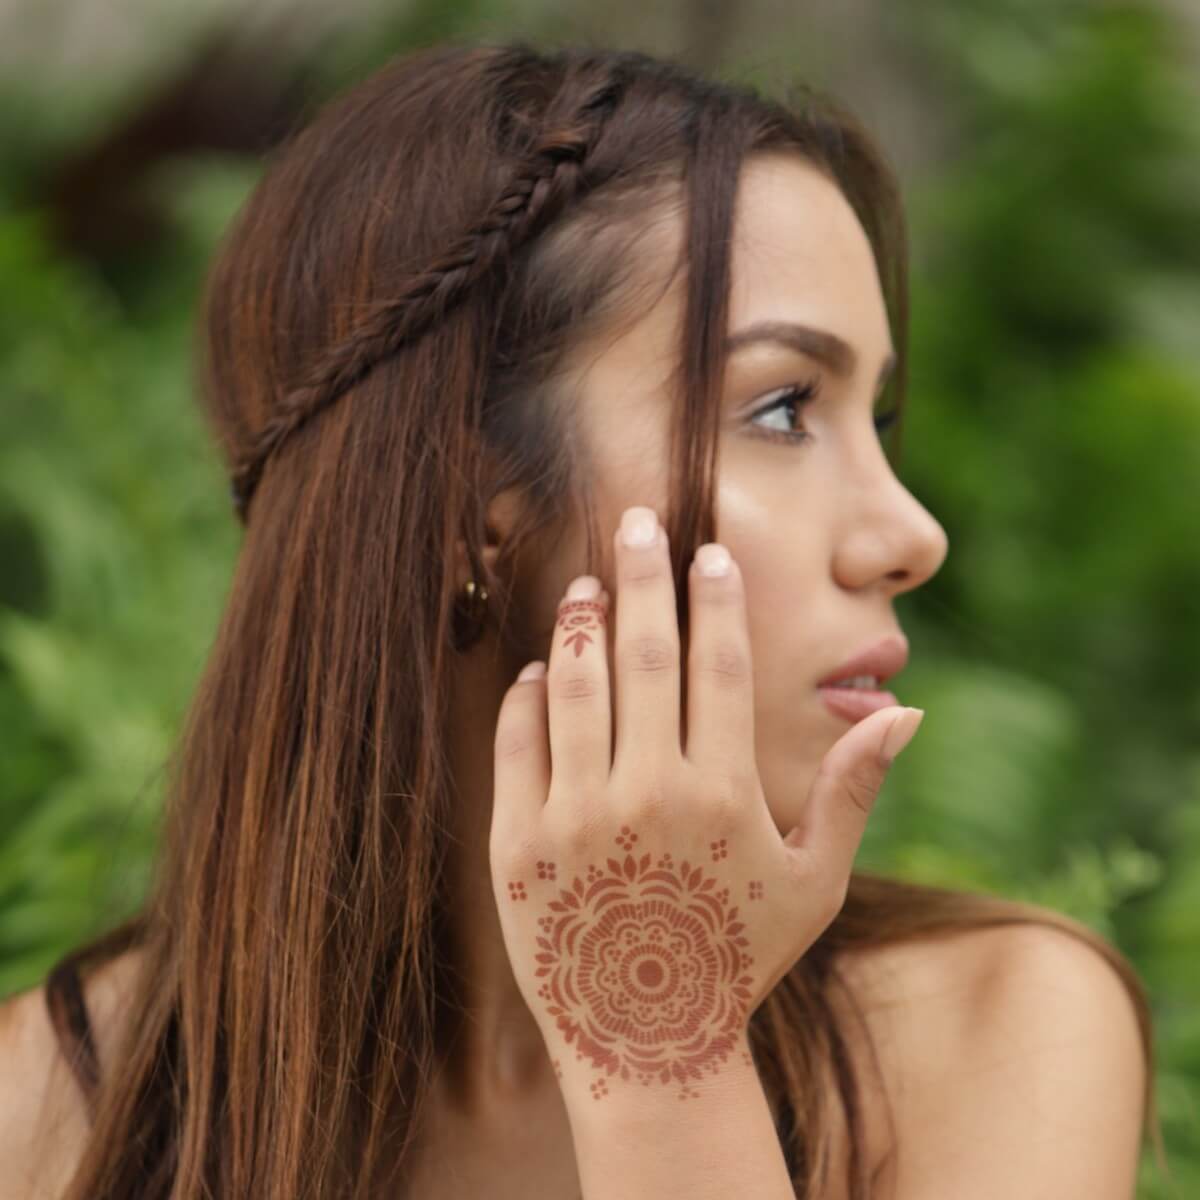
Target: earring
{"points": [[470, 614]]}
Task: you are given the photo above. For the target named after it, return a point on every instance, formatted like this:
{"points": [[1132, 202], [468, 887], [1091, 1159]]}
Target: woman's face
{"points": [[824, 532]]}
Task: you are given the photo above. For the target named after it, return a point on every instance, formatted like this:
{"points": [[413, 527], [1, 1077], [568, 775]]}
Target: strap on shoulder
{"points": [[69, 1018]]}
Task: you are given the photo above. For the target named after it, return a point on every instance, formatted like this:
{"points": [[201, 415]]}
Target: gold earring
{"points": [[471, 614]]}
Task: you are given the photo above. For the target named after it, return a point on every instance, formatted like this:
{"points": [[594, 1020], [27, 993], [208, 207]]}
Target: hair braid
{"points": [[550, 176]]}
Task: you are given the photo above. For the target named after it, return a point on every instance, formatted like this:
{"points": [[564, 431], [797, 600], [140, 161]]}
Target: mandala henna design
{"points": [[644, 970], [582, 618]]}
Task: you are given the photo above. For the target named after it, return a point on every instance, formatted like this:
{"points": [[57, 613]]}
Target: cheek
{"points": [[786, 591], [792, 729]]}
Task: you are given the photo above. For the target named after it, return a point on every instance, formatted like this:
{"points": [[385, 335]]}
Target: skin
{"points": [[856, 538]]}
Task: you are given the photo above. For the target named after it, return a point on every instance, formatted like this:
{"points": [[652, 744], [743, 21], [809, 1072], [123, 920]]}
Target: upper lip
{"points": [[884, 658]]}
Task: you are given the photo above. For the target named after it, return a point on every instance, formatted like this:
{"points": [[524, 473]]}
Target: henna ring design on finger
{"points": [[644, 969], [582, 618]]}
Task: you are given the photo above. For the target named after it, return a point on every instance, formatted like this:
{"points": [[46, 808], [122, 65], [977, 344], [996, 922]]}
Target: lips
{"points": [[883, 658]]}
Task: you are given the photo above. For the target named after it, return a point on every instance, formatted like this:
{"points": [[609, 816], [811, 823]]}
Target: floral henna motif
{"points": [[581, 618], [644, 969]]}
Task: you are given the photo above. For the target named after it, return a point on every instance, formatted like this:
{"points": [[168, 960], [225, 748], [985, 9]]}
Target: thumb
{"points": [[846, 786]]}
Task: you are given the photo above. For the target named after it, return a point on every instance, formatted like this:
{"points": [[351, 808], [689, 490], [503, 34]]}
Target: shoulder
{"points": [[40, 1108], [43, 1118], [1000, 1047]]}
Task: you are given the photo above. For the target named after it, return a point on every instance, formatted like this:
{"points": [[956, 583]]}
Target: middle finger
{"points": [[646, 650]]}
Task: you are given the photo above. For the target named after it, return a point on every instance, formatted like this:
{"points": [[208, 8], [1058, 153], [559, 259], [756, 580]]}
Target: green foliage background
{"points": [[1054, 430]]}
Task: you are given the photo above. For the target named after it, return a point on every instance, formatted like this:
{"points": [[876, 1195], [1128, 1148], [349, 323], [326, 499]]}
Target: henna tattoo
{"points": [[756, 889], [644, 969], [582, 618]]}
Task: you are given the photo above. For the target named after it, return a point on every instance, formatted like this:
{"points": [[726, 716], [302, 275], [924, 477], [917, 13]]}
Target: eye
{"points": [[790, 398], [794, 397]]}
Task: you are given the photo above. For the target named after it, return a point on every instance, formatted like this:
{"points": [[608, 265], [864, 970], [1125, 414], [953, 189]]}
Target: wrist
{"points": [[705, 1138], [601, 1090]]}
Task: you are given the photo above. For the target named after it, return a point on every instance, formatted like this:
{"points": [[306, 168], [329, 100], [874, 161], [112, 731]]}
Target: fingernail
{"points": [[712, 559], [639, 526], [901, 733], [535, 670], [586, 587]]}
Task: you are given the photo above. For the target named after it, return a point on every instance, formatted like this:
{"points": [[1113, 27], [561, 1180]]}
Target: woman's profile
{"points": [[488, 308]]}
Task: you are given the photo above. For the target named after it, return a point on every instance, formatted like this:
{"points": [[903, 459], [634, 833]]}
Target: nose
{"points": [[891, 539]]}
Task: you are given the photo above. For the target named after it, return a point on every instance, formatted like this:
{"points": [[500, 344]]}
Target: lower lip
{"points": [[855, 703]]}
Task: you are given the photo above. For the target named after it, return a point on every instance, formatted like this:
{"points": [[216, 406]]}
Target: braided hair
{"points": [[551, 175]]}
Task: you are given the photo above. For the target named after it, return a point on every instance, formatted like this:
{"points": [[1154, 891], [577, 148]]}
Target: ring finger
{"points": [[578, 696]]}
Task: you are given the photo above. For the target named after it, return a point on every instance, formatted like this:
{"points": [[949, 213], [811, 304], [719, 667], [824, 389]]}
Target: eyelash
{"points": [[797, 396]]}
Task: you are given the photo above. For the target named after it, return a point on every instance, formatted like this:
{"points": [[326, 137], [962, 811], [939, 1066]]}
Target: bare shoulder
{"points": [[987, 1039], [40, 1109], [905, 1005], [43, 1118]]}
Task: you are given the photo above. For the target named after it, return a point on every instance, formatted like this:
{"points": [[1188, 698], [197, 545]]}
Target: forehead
{"points": [[798, 253], [801, 254]]}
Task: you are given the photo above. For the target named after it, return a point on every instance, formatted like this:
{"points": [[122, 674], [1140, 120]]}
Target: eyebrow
{"points": [[839, 355]]}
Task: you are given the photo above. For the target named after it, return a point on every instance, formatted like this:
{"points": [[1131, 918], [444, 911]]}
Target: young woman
{"points": [[422, 928]]}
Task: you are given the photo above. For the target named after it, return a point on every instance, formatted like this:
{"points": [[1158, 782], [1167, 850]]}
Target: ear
{"points": [[502, 513]]}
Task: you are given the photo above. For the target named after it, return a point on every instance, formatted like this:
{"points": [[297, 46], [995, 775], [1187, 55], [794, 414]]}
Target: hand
{"points": [[647, 901]]}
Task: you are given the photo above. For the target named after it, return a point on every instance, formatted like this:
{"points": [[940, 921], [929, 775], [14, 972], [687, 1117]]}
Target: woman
{"points": [[491, 306]]}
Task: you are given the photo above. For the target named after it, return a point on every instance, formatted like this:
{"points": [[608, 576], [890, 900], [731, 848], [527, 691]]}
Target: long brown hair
{"points": [[383, 324]]}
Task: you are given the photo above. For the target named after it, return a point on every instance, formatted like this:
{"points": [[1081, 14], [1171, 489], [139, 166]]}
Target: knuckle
{"points": [[651, 654], [572, 827], [575, 837], [642, 569], [652, 802], [511, 848], [730, 796], [723, 809], [861, 788], [726, 665], [736, 786], [512, 742], [646, 811], [723, 592], [575, 686], [647, 799]]}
